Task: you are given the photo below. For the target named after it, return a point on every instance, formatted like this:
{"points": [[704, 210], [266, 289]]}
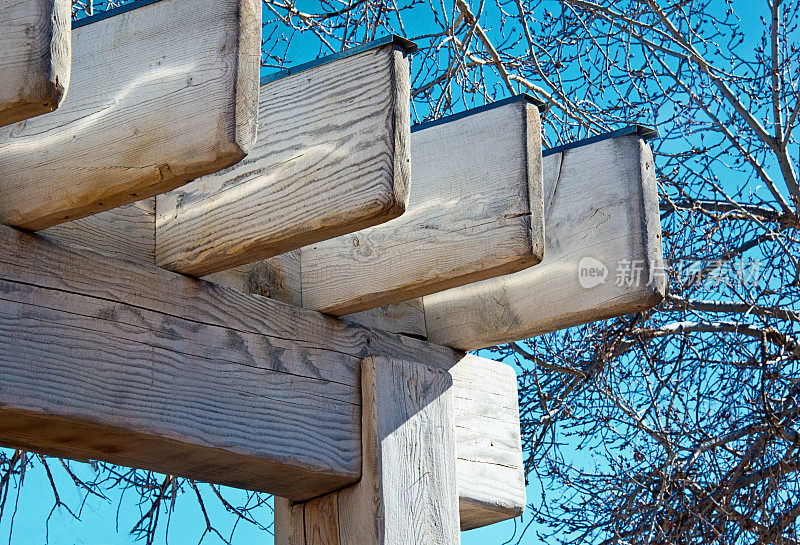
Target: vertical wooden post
{"points": [[407, 493]]}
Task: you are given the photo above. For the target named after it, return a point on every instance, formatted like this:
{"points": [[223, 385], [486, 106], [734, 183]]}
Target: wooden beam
{"points": [[601, 203], [331, 157], [35, 59], [126, 232], [475, 211], [160, 93], [489, 467], [166, 366], [406, 317], [407, 492]]}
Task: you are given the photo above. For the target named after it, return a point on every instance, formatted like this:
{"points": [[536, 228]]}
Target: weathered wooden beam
{"points": [[109, 359], [407, 492], [34, 57], [489, 467], [160, 93], [475, 211], [601, 215], [126, 232], [331, 157]]}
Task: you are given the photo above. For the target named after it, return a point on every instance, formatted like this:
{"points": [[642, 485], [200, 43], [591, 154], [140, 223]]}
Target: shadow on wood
{"points": [[331, 157], [34, 57], [601, 216], [159, 95]]}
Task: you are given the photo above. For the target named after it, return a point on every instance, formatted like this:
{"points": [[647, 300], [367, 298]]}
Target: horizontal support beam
{"points": [[35, 59], [475, 211], [123, 362], [603, 254], [489, 469], [127, 233], [331, 157], [159, 95]]}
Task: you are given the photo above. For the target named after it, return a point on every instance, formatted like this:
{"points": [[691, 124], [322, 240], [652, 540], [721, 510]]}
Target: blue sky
{"points": [[102, 523]]}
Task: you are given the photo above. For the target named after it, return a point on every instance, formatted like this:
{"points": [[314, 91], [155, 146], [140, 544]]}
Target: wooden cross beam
{"points": [[475, 211], [124, 362], [332, 156], [34, 57], [160, 93], [602, 218], [601, 203]]}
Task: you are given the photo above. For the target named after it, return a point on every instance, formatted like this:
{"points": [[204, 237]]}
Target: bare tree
{"points": [[677, 425]]}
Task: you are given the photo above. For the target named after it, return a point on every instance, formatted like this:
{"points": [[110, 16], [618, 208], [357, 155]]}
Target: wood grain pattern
{"points": [[331, 157], [321, 520], [475, 211], [289, 522], [406, 317], [178, 99], [34, 57], [489, 466], [126, 232], [277, 278], [407, 493], [166, 366], [601, 203]]}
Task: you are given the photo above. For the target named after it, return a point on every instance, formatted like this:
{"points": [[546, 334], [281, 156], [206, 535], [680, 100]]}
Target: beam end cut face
{"points": [[604, 253], [159, 95], [35, 61], [331, 157], [475, 211]]}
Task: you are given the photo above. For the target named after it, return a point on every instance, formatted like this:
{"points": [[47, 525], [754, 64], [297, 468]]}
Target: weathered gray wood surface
{"points": [[406, 317], [277, 278], [407, 492], [601, 203], [331, 157], [126, 232], [148, 350], [489, 467], [475, 211], [158, 95], [34, 57]]}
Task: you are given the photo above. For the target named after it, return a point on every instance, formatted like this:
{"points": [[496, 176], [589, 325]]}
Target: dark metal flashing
{"points": [[99, 16], [524, 97], [647, 133], [399, 42]]}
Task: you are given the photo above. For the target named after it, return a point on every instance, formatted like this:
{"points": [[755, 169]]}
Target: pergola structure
{"points": [[270, 284]]}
